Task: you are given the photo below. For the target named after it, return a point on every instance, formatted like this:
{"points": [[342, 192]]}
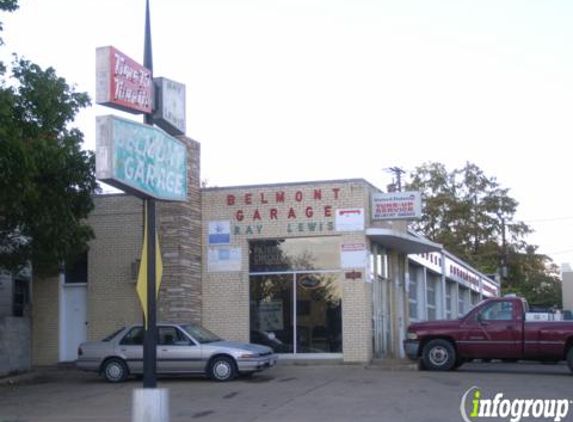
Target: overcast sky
{"points": [[302, 90]]}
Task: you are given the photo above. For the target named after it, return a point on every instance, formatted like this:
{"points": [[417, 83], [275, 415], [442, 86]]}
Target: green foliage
{"points": [[46, 180], [7, 6], [473, 217], [535, 277]]}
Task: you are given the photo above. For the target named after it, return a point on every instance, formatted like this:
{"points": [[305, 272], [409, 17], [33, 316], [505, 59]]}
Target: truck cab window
{"points": [[497, 311]]}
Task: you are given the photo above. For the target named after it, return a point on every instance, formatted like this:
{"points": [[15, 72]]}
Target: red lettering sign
{"points": [[122, 83]]}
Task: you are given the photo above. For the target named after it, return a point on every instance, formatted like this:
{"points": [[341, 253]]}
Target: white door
{"points": [[73, 323]]}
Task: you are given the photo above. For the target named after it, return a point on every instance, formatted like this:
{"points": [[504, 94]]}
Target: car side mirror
{"points": [[479, 318]]}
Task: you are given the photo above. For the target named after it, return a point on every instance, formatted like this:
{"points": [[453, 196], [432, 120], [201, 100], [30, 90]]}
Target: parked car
{"points": [[496, 328], [181, 349]]}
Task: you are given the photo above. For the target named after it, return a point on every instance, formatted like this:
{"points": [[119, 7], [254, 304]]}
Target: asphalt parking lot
{"points": [[287, 393]]}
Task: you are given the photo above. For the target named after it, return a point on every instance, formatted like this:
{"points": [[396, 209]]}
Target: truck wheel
{"points": [[439, 355], [570, 358], [459, 362]]}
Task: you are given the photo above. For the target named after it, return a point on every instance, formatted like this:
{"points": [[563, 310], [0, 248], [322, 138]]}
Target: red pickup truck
{"points": [[494, 329]]}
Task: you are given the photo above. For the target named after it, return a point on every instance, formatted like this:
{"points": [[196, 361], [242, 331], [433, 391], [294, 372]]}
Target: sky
{"points": [[303, 90]]}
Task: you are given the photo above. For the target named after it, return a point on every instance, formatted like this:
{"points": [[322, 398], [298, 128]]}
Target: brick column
{"points": [[180, 298]]}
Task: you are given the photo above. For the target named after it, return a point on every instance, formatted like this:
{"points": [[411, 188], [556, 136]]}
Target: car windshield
{"points": [[112, 335], [200, 334]]}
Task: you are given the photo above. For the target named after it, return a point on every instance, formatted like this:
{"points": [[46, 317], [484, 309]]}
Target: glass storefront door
{"points": [[318, 313], [272, 312], [296, 295], [311, 312]]}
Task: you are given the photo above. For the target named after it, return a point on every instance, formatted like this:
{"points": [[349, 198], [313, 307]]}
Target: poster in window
{"points": [[271, 316]]}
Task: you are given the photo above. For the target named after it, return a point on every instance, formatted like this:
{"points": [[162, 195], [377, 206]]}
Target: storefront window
{"points": [[449, 293], [317, 253], [431, 298], [413, 298], [462, 301], [295, 295]]}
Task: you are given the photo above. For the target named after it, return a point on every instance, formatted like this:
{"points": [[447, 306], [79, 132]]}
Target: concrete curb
{"points": [[38, 373], [35, 374], [393, 365], [20, 378]]}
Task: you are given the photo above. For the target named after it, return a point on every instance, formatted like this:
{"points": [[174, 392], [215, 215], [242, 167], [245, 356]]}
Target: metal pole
{"points": [[150, 339]]}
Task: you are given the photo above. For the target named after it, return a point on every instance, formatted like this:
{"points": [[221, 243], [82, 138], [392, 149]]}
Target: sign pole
{"points": [[150, 339], [150, 403]]}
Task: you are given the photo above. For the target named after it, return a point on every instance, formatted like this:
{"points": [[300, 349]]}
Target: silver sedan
{"points": [[181, 349]]}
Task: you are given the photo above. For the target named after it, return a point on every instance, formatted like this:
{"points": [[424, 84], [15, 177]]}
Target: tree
{"points": [[473, 217], [46, 180]]}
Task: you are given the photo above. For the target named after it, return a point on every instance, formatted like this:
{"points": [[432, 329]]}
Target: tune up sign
{"points": [[122, 83]]}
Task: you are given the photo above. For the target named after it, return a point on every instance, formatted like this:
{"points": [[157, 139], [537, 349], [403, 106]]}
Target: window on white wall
{"points": [[462, 302], [413, 298], [20, 297], [448, 300], [431, 298], [77, 270]]}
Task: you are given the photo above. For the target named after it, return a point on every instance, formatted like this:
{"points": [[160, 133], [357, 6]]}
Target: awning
{"points": [[402, 242]]}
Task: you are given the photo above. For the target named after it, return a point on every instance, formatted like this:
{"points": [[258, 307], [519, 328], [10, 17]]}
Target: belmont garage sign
{"points": [[302, 211], [141, 159]]}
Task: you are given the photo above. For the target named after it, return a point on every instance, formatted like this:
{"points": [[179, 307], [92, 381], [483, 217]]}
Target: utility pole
{"points": [[396, 185]]}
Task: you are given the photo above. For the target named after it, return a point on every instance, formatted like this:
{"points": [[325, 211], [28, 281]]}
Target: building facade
{"points": [[306, 269], [302, 267], [15, 325]]}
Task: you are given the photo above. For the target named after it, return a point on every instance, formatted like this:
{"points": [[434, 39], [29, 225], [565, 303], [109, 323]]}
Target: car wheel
{"points": [[439, 355], [222, 368], [115, 370]]}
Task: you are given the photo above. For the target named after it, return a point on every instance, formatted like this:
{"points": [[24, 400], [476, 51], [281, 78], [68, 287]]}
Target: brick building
{"points": [[302, 267]]}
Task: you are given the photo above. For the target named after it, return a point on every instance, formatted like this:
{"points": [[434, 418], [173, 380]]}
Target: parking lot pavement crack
{"points": [[302, 393]]}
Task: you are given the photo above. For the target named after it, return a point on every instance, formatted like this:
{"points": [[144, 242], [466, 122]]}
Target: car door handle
{"points": [[510, 327]]}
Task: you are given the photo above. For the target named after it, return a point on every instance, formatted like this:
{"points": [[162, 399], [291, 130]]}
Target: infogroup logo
{"points": [[474, 407]]}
